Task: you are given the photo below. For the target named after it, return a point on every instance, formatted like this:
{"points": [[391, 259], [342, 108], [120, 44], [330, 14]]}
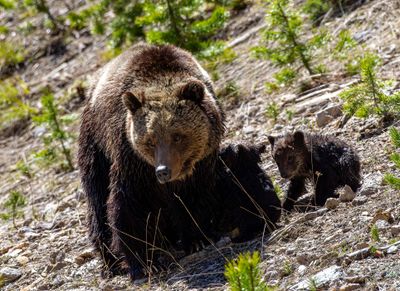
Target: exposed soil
{"points": [[49, 248]]}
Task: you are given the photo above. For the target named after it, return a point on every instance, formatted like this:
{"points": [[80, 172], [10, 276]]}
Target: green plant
{"points": [[272, 111], [312, 284], [6, 4], [375, 233], [316, 9], [11, 55], [281, 39], [371, 96], [13, 204], [244, 273], [56, 140], [278, 189], [41, 6], [287, 268], [231, 90], [289, 114], [12, 104], [184, 23], [390, 178], [24, 168]]}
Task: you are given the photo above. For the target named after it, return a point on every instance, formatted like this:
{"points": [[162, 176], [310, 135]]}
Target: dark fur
{"points": [[249, 198], [325, 160], [126, 204]]}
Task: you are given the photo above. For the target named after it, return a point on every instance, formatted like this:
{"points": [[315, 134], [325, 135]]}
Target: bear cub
{"points": [[325, 160]]}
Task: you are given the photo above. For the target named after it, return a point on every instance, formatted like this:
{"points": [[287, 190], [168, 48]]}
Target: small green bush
{"points": [[12, 104], [244, 273], [6, 4], [272, 111], [13, 204], [11, 55], [375, 233], [56, 139], [390, 178], [371, 96]]}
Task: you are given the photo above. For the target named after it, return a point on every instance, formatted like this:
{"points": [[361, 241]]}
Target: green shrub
{"points": [[12, 104], [6, 4], [375, 233], [41, 6], [13, 204], [390, 178], [371, 96], [244, 273], [11, 55], [316, 9], [56, 139], [281, 39], [272, 111]]}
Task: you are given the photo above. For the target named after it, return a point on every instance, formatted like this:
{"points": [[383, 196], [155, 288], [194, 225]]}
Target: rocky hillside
{"points": [[352, 244]]}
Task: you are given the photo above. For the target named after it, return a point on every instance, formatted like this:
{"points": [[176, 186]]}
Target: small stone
{"points": [[382, 224], [86, 255], [278, 126], [360, 200], [325, 116], [395, 230], [8, 274], [370, 184], [22, 260], [346, 194], [350, 286], [331, 203], [328, 275], [248, 129], [314, 214], [355, 279], [392, 249], [301, 270]]}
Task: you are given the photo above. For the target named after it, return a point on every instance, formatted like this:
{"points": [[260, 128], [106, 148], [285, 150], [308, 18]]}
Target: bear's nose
{"points": [[163, 174]]}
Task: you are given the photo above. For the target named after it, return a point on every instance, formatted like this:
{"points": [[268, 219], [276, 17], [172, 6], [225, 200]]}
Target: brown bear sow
{"points": [[326, 160], [148, 155]]}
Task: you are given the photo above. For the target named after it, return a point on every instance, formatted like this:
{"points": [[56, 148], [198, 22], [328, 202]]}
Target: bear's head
{"points": [[290, 154], [174, 128]]}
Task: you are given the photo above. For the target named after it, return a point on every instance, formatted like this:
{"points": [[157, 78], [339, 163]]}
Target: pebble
{"points": [[355, 279], [346, 194], [85, 256], [331, 203], [301, 270], [325, 116], [382, 224], [359, 200], [8, 274], [392, 249], [349, 287], [328, 275], [370, 184], [22, 260], [395, 230]]}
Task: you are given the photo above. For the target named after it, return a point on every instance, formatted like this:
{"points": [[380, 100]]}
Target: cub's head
{"points": [[241, 156], [174, 128], [290, 153]]}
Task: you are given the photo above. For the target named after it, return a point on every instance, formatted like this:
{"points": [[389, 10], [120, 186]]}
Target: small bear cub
{"points": [[325, 160]]}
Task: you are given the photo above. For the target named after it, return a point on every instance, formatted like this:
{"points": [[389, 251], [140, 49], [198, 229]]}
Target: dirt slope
{"points": [[325, 248]]}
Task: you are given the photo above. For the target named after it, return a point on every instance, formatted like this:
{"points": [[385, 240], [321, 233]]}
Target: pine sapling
{"points": [[371, 96], [390, 178], [57, 138], [13, 204], [244, 273]]}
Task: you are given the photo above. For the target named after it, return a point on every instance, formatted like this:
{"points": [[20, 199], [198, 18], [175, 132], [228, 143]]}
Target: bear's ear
{"points": [[298, 139], [131, 102], [271, 140], [193, 90]]}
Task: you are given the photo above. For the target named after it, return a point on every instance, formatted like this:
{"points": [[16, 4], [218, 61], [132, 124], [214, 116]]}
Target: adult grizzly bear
{"points": [[326, 160], [148, 155]]}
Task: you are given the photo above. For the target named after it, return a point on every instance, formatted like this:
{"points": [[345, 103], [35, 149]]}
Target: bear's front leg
{"points": [[128, 233], [296, 189]]}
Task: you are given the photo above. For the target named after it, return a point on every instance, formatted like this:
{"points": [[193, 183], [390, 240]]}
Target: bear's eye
{"points": [[290, 159], [150, 143], [177, 138]]}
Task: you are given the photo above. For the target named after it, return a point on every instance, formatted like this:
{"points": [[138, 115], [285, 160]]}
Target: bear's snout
{"points": [[163, 174]]}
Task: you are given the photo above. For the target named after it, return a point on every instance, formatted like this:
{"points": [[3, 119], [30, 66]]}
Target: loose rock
{"points": [[350, 286], [8, 274], [331, 203], [346, 194], [328, 275]]}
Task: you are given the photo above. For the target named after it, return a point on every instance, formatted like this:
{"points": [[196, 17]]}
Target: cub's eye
{"points": [[177, 138], [150, 144], [290, 159]]}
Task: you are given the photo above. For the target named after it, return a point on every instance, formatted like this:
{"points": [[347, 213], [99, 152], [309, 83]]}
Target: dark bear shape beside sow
{"points": [[148, 155]]}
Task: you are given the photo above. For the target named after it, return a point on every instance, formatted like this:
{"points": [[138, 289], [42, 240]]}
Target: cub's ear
{"points": [[131, 102], [193, 90], [271, 140], [298, 138]]}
